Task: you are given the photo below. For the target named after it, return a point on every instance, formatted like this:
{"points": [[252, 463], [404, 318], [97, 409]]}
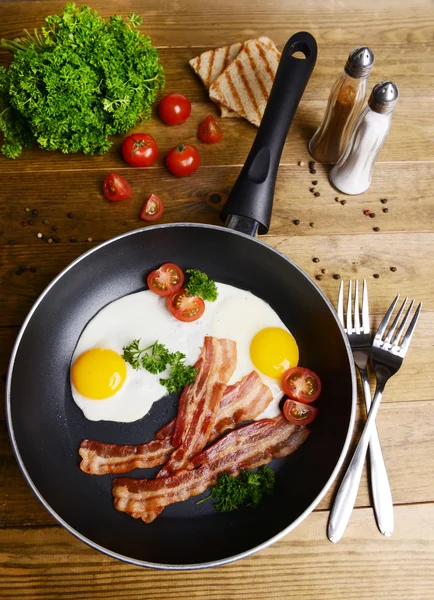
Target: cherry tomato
{"points": [[210, 131], [140, 150], [299, 413], [301, 384], [185, 308], [166, 280], [174, 109], [152, 209], [183, 160], [116, 188]]}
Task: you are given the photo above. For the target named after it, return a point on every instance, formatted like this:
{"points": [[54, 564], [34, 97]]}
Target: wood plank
{"points": [[405, 430], [170, 23], [410, 65], [410, 139], [408, 191], [49, 562]]}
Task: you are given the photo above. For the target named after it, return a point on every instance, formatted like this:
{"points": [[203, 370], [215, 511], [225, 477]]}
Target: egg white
{"points": [[236, 314]]}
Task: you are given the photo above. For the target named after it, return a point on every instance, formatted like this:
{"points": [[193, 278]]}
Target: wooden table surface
{"points": [[38, 558]]}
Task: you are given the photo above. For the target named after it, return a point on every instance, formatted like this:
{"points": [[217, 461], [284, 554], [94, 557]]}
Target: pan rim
{"points": [[161, 566]]}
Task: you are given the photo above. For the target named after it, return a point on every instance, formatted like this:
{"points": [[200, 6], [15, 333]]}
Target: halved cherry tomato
{"points": [[116, 188], [166, 280], [183, 160], [174, 109], [139, 150], [299, 413], [301, 384], [185, 308], [152, 209], [210, 131]]}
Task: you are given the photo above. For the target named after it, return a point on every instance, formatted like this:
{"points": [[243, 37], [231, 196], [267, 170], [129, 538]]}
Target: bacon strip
{"points": [[242, 401], [100, 459], [247, 447], [200, 401]]}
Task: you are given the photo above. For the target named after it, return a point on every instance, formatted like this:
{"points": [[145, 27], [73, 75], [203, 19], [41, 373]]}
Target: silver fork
{"points": [[359, 336], [386, 358]]}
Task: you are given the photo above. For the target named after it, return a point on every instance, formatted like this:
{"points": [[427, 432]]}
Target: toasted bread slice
{"points": [[244, 86], [210, 64]]}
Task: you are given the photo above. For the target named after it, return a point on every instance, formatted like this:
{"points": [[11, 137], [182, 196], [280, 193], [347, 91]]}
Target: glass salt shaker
{"points": [[352, 174], [344, 106]]}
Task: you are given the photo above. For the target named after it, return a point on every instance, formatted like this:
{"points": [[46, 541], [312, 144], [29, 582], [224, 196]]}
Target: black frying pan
{"points": [[46, 427]]}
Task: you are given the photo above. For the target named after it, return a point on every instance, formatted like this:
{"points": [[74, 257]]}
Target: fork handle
{"points": [[381, 493], [347, 493]]}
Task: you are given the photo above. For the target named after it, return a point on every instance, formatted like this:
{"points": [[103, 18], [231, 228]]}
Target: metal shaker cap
{"points": [[360, 62], [383, 97]]}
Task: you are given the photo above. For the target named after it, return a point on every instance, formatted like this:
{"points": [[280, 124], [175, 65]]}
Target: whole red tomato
{"points": [[139, 150], [183, 160], [174, 109], [210, 131], [116, 188]]}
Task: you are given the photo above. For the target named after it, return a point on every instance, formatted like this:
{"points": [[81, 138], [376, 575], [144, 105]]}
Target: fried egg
{"points": [[106, 388]]}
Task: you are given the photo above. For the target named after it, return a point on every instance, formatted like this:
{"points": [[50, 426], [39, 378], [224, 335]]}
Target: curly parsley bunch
{"points": [[77, 82]]}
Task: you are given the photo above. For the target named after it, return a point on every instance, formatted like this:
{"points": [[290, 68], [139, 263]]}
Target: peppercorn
{"points": [[376, 228], [32, 270], [296, 221], [315, 182], [18, 272], [311, 190], [30, 222], [45, 222], [343, 202], [383, 200], [367, 212], [70, 215], [23, 269], [324, 271], [312, 224], [336, 199], [376, 275], [372, 215], [54, 228], [39, 235], [24, 223], [316, 194], [312, 171], [311, 164], [73, 239], [393, 269], [315, 260], [385, 210], [27, 209], [35, 212], [336, 276], [301, 163], [89, 239], [50, 240], [11, 242], [319, 277], [215, 198]]}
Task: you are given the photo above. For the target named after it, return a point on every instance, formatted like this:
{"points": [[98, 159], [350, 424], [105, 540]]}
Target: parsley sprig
{"points": [[155, 359], [230, 492], [200, 285]]}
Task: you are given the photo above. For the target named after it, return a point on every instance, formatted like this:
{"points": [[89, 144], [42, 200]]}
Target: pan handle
{"points": [[250, 202]]}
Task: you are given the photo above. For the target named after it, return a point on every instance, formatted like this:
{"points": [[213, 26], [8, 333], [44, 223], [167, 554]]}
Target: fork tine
{"points": [[341, 303], [385, 321], [349, 319], [401, 327], [407, 338], [356, 308], [395, 323], [365, 309]]}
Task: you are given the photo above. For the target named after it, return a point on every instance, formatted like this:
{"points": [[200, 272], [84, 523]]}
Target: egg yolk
{"points": [[98, 373], [273, 350]]}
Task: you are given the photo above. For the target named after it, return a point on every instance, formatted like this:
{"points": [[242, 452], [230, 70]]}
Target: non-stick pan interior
{"points": [[47, 426]]}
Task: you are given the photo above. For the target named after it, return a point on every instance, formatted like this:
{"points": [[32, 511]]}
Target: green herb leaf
{"points": [[77, 82], [200, 285], [230, 493], [180, 374], [157, 361]]}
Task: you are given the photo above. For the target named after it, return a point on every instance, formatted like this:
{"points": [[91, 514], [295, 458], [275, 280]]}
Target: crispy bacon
{"points": [[200, 401], [242, 401], [247, 447], [100, 459]]}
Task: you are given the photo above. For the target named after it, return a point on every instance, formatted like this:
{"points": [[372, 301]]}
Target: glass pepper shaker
{"points": [[352, 174], [344, 106]]}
